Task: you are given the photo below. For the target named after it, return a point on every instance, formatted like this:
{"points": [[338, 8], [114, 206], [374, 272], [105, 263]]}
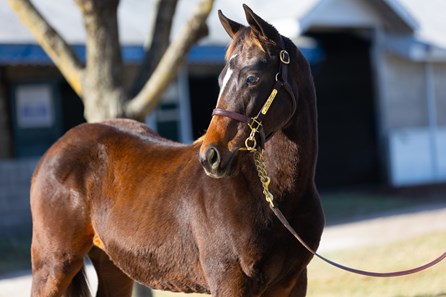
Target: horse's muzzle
{"points": [[215, 164]]}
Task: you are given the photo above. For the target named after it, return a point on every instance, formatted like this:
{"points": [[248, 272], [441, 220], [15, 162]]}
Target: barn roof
{"points": [[422, 19]]}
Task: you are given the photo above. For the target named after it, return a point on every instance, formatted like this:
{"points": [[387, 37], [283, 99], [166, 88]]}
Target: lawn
{"points": [[326, 281]]}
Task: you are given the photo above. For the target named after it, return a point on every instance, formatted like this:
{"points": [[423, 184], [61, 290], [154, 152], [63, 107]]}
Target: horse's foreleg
{"points": [[229, 281], [300, 289], [57, 273], [111, 280]]}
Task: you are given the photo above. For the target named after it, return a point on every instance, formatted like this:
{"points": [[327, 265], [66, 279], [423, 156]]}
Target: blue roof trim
{"points": [[22, 54], [19, 54], [207, 54], [14, 54]]}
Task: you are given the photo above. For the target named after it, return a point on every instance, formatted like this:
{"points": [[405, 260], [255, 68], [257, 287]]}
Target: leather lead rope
{"points": [[265, 180], [287, 225]]}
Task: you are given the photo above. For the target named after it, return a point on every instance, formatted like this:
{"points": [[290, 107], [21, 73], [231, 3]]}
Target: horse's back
{"points": [[79, 148]]}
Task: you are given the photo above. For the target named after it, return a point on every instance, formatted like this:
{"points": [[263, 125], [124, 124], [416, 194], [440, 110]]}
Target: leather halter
{"points": [[281, 81]]}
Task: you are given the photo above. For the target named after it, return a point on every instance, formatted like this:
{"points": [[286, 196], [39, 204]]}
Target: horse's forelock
{"points": [[248, 38], [237, 39]]}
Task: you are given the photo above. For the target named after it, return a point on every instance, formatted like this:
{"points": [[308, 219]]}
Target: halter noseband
{"points": [[255, 123]]}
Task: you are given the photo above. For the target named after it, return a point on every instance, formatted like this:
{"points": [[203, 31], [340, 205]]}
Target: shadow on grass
{"points": [[348, 207]]}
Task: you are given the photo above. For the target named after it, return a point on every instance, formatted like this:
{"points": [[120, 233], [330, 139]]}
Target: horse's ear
{"points": [[230, 26], [260, 27]]}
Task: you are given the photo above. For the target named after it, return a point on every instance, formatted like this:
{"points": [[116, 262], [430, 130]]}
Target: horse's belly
{"points": [[162, 269]]}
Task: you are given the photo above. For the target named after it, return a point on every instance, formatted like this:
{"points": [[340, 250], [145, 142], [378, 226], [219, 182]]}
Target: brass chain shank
{"points": [[259, 160], [263, 175]]}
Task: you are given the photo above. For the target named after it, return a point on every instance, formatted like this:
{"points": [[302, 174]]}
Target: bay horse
{"points": [[188, 218]]}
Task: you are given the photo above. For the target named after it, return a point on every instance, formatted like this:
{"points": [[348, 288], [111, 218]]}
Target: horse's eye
{"points": [[252, 79]]}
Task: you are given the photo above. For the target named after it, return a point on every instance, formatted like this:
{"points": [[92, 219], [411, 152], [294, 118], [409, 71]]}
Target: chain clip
{"points": [[251, 142]]}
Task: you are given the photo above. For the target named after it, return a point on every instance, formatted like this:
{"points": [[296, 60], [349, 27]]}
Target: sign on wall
{"points": [[36, 117], [34, 106]]}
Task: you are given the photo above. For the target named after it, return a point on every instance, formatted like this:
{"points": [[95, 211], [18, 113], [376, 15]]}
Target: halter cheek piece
{"points": [[255, 123]]}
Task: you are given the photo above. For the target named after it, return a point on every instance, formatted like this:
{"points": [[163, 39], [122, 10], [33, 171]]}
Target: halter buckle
{"points": [[284, 57]]}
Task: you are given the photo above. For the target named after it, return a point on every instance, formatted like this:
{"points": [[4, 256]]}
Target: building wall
{"points": [[439, 71], [15, 179], [404, 90], [5, 134], [405, 102], [414, 120]]}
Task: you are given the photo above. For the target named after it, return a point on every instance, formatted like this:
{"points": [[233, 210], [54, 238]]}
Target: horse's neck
{"points": [[290, 157], [282, 158], [291, 154]]}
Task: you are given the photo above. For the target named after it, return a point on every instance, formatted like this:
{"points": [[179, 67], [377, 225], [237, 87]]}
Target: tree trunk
{"points": [[173, 58], [102, 84], [157, 42]]}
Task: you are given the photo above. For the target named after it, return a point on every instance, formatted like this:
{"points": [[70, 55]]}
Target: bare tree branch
{"points": [[151, 93], [100, 82], [155, 47], [52, 42]]}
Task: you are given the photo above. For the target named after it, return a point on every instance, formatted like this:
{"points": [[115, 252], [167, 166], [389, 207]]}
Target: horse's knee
{"points": [[52, 277]]}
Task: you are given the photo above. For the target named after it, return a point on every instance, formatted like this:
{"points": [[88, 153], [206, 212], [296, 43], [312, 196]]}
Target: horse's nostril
{"points": [[213, 157]]}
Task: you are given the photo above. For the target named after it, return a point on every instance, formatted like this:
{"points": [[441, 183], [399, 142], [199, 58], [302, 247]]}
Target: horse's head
{"points": [[253, 84]]}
